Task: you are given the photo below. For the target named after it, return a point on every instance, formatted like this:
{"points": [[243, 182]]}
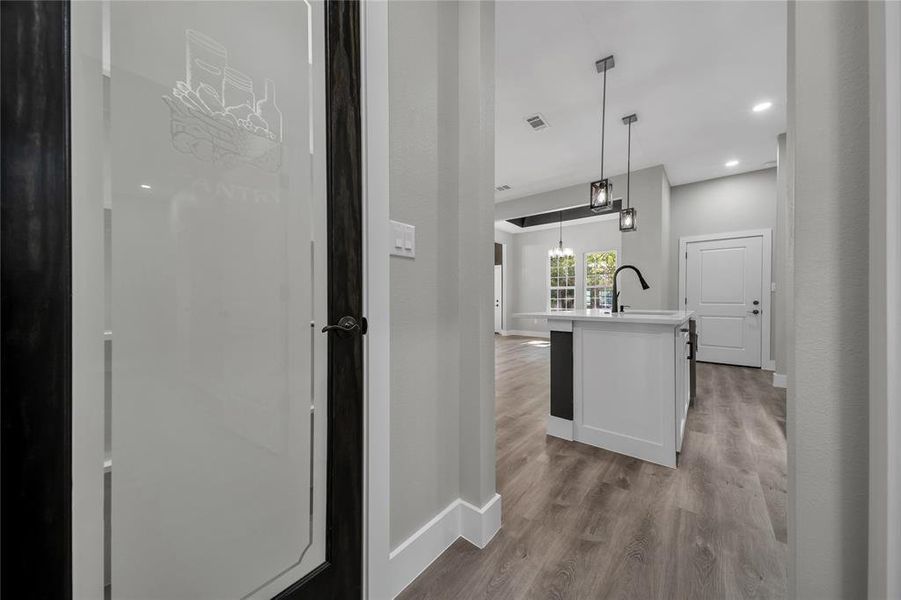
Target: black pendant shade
{"points": [[627, 220], [627, 217], [601, 195], [602, 190]]}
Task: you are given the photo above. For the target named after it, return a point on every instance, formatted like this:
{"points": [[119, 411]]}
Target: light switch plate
{"points": [[402, 239]]}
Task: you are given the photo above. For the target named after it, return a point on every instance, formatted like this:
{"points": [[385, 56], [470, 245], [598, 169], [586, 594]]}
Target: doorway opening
{"points": [[569, 494], [499, 251]]}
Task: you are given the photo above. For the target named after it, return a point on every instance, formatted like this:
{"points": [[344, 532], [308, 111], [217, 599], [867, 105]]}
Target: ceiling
{"points": [[692, 71]]}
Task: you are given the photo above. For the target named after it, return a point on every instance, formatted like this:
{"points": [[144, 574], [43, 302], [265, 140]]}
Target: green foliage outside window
{"points": [[599, 269]]}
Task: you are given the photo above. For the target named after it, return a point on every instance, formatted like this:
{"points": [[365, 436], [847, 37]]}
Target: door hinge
{"points": [[686, 301]]}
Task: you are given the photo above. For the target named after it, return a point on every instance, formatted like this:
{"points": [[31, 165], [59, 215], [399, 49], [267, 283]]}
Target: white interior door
{"points": [[498, 298], [724, 287]]}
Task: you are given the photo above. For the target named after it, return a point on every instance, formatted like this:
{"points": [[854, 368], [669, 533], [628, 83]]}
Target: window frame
{"points": [[551, 288], [586, 287]]}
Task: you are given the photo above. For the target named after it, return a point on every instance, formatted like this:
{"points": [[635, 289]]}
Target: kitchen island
{"points": [[620, 381]]}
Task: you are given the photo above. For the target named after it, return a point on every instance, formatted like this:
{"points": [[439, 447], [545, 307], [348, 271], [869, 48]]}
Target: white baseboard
{"points": [[780, 380], [458, 519], [769, 365], [524, 333], [479, 525], [559, 428]]}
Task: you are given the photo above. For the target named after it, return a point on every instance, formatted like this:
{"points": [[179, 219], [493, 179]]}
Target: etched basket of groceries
{"points": [[215, 115]]}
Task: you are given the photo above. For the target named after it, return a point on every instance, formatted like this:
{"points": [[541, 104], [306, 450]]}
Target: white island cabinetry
{"points": [[630, 386]]}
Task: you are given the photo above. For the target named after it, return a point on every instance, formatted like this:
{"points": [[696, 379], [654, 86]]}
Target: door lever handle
{"points": [[345, 324], [754, 312]]}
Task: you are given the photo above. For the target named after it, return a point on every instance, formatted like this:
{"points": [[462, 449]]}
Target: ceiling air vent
{"points": [[536, 121], [502, 188]]}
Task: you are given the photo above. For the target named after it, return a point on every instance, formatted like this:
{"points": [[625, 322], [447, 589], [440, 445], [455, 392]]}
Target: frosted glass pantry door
{"points": [[218, 230]]}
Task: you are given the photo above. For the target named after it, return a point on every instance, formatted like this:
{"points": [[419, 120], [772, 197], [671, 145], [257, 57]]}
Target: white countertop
{"points": [[654, 317]]}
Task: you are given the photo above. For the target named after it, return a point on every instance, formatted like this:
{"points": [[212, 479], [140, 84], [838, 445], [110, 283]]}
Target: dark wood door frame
{"points": [[36, 311], [36, 285], [341, 575]]}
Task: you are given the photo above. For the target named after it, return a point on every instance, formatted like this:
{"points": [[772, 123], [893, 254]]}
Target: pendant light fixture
{"points": [[627, 214], [559, 251], [602, 189]]}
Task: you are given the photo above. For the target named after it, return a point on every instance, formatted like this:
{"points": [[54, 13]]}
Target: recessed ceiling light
{"points": [[732, 163], [762, 106], [144, 186]]}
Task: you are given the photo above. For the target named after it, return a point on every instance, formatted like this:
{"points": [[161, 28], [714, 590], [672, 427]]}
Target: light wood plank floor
{"points": [[580, 522]]}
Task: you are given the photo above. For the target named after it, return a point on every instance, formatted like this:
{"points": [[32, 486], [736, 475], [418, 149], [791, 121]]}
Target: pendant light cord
{"points": [[629, 167], [603, 118], [561, 230]]}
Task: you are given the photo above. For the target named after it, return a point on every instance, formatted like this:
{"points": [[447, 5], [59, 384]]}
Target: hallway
{"points": [[581, 522]]}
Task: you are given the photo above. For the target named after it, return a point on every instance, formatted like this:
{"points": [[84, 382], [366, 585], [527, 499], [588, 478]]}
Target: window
{"points": [[599, 269], [562, 282]]}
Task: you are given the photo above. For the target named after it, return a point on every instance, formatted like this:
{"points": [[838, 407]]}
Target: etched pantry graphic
{"points": [[215, 114]]}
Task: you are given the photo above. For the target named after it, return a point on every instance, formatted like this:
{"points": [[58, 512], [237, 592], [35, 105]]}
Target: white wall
{"points": [[527, 264], [573, 195], [424, 368], [669, 253], [647, 248], [568, 197], [780, 259], [733, 203], [475, 180], [885, 301], [828, 374], [442, 355]]}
